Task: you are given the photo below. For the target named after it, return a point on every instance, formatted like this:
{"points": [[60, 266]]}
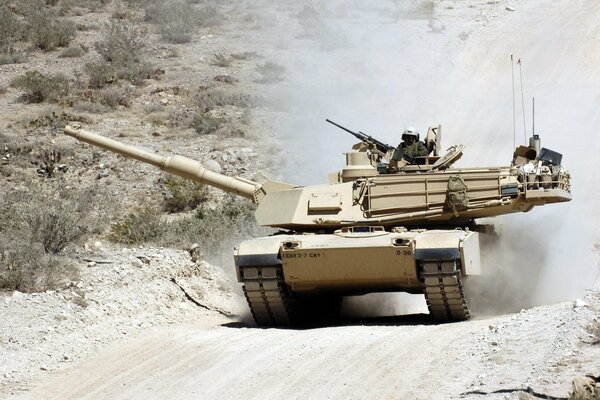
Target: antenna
{"points": [[522, 100], [512, 66], [533, 118]]}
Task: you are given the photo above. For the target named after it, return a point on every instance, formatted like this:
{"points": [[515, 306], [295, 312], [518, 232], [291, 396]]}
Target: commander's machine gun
{"points": [[380, 153]]}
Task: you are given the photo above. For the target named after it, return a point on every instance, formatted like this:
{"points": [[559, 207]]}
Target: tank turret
{"points": [[371, 229]]}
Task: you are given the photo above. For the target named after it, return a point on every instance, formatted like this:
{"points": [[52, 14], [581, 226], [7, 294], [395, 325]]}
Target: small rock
{"points": [[44, 368], [579, 303], [196, 253], [97, 246], [103, 174], [143, 259], [509, 8], [212, 165], [136, 262], [91, 264]]}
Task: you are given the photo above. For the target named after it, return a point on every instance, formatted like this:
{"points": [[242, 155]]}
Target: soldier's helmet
{"points": [[410, 132]]}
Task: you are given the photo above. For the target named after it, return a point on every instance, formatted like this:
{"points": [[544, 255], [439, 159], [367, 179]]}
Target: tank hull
{"points": [[290, 279]]}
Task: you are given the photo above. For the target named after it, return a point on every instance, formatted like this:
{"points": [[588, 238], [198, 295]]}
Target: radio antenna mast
{"points": [[512, 66], [522, 100], [533, 118]]}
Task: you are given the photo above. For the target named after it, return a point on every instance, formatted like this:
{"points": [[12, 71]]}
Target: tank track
{"points": [[273, 304], [443, 288], [266, 294]]}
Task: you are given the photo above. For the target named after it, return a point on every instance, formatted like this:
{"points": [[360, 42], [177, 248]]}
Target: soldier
{"points": [[410, 148]]}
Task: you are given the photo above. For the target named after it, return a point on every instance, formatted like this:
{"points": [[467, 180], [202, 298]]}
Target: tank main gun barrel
{"points": [[176, 165]]}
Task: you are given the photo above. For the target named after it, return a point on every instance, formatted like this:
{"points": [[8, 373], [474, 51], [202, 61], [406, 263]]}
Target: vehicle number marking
{"points": [[302, 255]]}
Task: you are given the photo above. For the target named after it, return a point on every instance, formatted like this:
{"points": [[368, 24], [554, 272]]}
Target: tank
{"points": [[371, 228]]}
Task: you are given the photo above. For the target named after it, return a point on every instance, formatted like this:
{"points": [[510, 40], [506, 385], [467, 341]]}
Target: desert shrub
{"points": [[207, 99], [140, 226], [35, 226], [171, 13], [29, 269], [73, 51], [44, 29], [217, 228], [39, 87], [182, 194], [10, 29], [12, 58], [136, 3], [57, 227], [113, 96], [122, 51], [122, 13], [206, 124], [91, 108], [209, 15], [56, 222], [221, 60], [176, 20], [244, 56], [50, 120], [593, 330], [270, 72]]}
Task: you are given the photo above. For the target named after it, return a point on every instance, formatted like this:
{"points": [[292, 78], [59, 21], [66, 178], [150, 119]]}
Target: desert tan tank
{"points": [[371, 229]]}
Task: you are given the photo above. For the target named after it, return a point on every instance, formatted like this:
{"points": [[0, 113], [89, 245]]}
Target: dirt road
{"points": [[397, 358]]}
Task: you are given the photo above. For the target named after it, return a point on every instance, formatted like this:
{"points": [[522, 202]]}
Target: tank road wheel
{"points": [[272, 304], [442, 285]]}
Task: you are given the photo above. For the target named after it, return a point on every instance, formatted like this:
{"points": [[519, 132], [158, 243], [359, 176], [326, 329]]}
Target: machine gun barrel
{"points": [[176, 165], [382, 147]]}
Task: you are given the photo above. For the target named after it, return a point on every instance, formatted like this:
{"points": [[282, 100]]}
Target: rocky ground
{"points": [[152, 322], [121, 293]]}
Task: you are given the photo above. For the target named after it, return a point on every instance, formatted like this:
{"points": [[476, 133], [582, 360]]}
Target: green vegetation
{"points": [[183, 194], [39, 87], [143, 225], [209, 98], [73, 51], [123, 56], [10, 29], [35, 231], [216, 228], [176, 19], [43, 28], [206, 124]]}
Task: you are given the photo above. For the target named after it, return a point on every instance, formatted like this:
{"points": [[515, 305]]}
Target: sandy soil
{"points": [[207, 355], [397, 358]]}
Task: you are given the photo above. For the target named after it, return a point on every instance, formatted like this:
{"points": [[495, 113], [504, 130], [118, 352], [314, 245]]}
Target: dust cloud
{"points": [[379, 67]]}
